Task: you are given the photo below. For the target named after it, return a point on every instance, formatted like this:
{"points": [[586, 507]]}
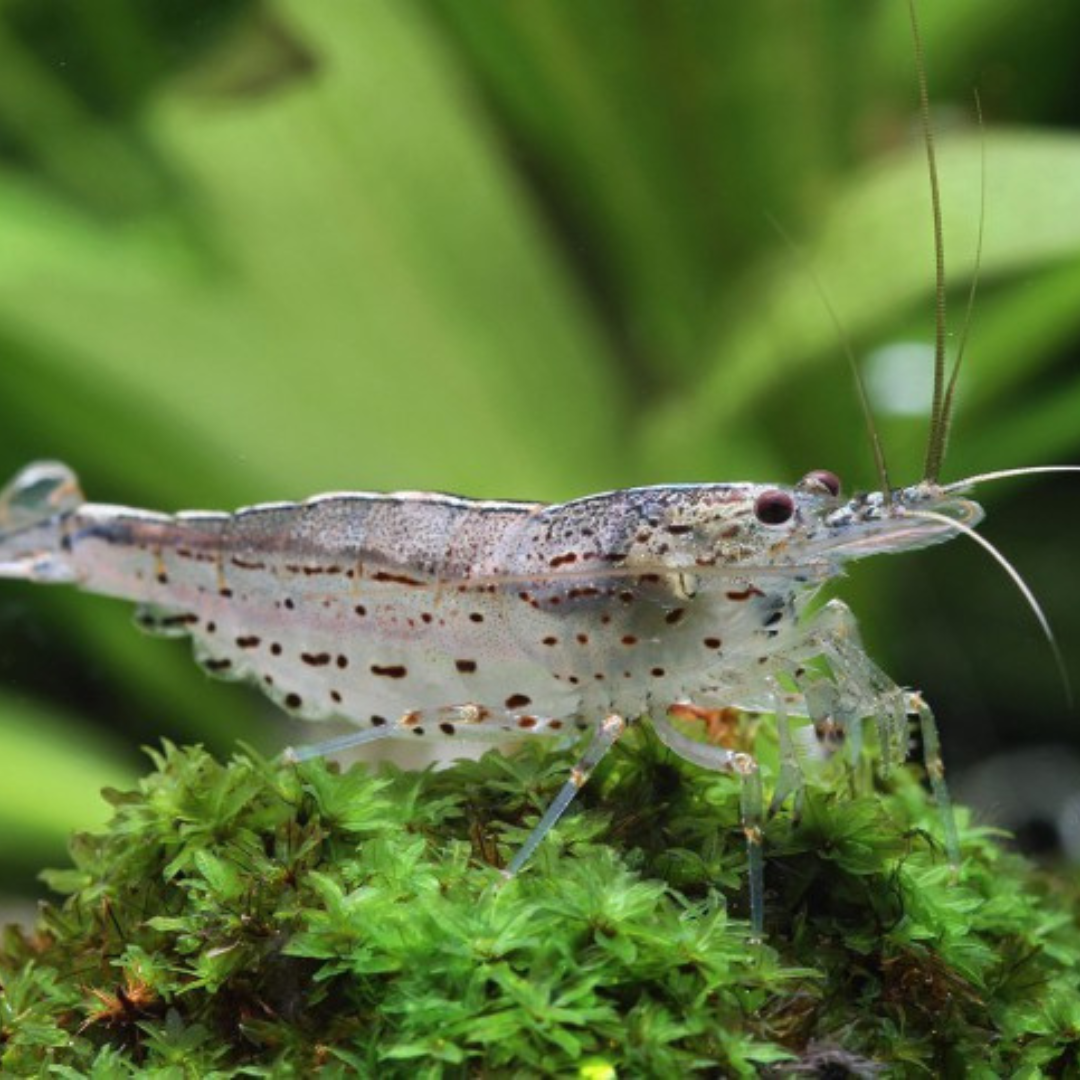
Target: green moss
{"points": [[253, 919]]}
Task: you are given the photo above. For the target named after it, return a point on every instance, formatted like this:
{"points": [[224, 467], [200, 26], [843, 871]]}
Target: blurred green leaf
{"points": [[333, 278], [876, 266], [54, 769]]}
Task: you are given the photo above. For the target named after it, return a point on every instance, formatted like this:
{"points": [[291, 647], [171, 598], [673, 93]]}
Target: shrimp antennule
{"points": [[1017, 580]]}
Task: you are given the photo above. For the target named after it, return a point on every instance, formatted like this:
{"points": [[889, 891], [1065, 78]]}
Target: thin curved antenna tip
{"points": [[1022, 586], [1006, 474]]}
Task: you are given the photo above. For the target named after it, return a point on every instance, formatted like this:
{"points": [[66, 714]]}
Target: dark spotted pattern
{"points": [[390, 604]]}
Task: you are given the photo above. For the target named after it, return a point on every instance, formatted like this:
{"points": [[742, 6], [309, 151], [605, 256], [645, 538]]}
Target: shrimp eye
{"points": [[821, 480], [774, 507]]}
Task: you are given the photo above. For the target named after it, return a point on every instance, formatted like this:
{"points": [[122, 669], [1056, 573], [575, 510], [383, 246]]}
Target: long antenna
{"points": [[935, 450], [965, 333], [1018, 581], [1004, 474]]}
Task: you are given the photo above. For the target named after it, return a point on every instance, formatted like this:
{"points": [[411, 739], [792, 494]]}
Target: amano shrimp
{"points": [[420, 616]]}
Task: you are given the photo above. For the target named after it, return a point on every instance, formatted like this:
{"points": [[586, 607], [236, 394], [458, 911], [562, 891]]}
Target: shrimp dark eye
{"points": [[822, 479], [774, 507]]}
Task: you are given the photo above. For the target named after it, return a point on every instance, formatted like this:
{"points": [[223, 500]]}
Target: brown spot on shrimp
{"points": [[397, 579], [563, 560], [246, 564], [390, 671], [739, 595], [187, 619]]}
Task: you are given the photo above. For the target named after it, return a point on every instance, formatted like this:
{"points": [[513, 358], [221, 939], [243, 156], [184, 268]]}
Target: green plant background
{"points": [[254, 251]]}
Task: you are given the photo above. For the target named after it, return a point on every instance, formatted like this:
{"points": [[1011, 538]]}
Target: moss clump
{"points": [[256, 919]]}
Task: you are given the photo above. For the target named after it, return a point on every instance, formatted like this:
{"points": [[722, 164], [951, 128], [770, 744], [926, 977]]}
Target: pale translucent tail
{"points": [[33, 509]]}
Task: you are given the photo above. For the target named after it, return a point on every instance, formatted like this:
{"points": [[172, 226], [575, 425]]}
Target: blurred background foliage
{"points": [[257, 250]]}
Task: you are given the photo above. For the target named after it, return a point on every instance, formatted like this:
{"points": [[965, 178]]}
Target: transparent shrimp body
{"points": [[416, 615]]}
